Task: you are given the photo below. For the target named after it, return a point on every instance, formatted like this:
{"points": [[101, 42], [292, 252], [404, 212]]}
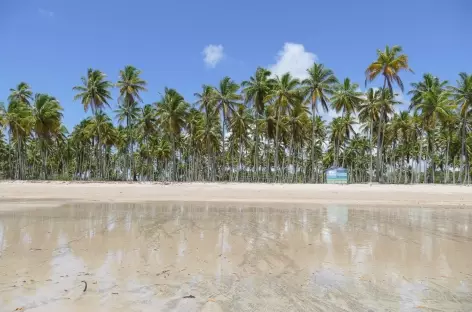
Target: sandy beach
{"points": [[234, 247], [24, 194]]}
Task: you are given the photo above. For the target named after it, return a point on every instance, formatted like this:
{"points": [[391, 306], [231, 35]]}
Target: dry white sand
{"points": [[47, 193]]}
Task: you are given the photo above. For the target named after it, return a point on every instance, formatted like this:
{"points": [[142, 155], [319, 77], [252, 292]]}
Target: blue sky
{"points": [[51, 43]]}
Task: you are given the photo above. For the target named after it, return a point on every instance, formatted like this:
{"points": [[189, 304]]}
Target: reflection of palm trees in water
{"points": [[363, 243]]}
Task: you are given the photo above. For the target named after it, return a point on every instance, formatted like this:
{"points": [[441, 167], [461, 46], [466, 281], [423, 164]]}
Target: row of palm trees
{"points": [[267, 129]]}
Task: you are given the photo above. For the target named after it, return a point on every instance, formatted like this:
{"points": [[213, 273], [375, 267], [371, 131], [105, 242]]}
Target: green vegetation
{"points": [[266, 129]]}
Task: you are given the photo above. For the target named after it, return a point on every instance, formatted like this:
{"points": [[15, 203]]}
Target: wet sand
{"points": [[235, 257]]}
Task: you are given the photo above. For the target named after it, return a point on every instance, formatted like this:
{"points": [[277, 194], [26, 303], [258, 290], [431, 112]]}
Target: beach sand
{"points": [[22, 194], [234, 247]]}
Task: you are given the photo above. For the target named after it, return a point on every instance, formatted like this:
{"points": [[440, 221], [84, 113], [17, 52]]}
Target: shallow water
{"points": [[235, 258]]}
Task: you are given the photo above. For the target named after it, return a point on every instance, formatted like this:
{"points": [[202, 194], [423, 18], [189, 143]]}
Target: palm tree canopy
{"points": [[22, 93], [429, 83], [346, 97], [284, 92], [389, 63], [226, 96], [257, 89], [47, 114], [172, 111], [206, 99], [94, 91], [130, 84], [319, 85], [463, 94]]}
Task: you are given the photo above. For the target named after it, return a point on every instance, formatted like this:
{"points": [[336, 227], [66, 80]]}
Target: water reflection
{"points": [[235, 258]]}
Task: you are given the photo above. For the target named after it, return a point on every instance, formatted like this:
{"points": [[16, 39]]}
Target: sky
{"points": [[184, 44]]}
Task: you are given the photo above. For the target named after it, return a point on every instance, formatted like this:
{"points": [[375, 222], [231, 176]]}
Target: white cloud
{"points": [[213, 54], [293, 59], [45, 13], [400, 96]]}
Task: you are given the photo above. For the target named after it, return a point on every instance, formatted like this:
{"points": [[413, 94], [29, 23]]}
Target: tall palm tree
{"points": [[226, 98], [463, 96], [256, 90], [94, 93], [22, 93], [171, 113], [284, 93], [389, 63], [346, 98], [130, 85], [318, 88], [47, 115]]}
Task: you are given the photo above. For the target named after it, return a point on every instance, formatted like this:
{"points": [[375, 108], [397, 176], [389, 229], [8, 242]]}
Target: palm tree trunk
{"points": [[223, 162], [240, 158], [418, 177], [43, 156], [462, 162], [276, 156], [379, 148], [371, 151], [256, 146], [446, 175], [454, 170], [174, 160], [425, 161], [313, 117]]}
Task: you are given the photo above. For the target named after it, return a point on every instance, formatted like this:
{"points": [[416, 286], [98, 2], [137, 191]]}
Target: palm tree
{"points": [[386, 101], [256, 90], [94, 91], [434, 104], [128, 113], [47, 115], [207, 102], [17, 118], [284, 93], [22, 93], [389, 64], [463, 97], [240, 125], [146, 122], [318, 87], [226, 98], [171, 114], [429, 83], [130, 85], [369, 112], [297, 121], [340, 131], [346, 98]]}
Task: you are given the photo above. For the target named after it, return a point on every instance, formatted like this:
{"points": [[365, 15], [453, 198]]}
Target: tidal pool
{"points": [[235, 257]]}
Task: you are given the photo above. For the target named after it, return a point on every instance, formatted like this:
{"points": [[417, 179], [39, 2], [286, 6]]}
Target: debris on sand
{"points": [[163, 272], [189, 297], [85, 289]]}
